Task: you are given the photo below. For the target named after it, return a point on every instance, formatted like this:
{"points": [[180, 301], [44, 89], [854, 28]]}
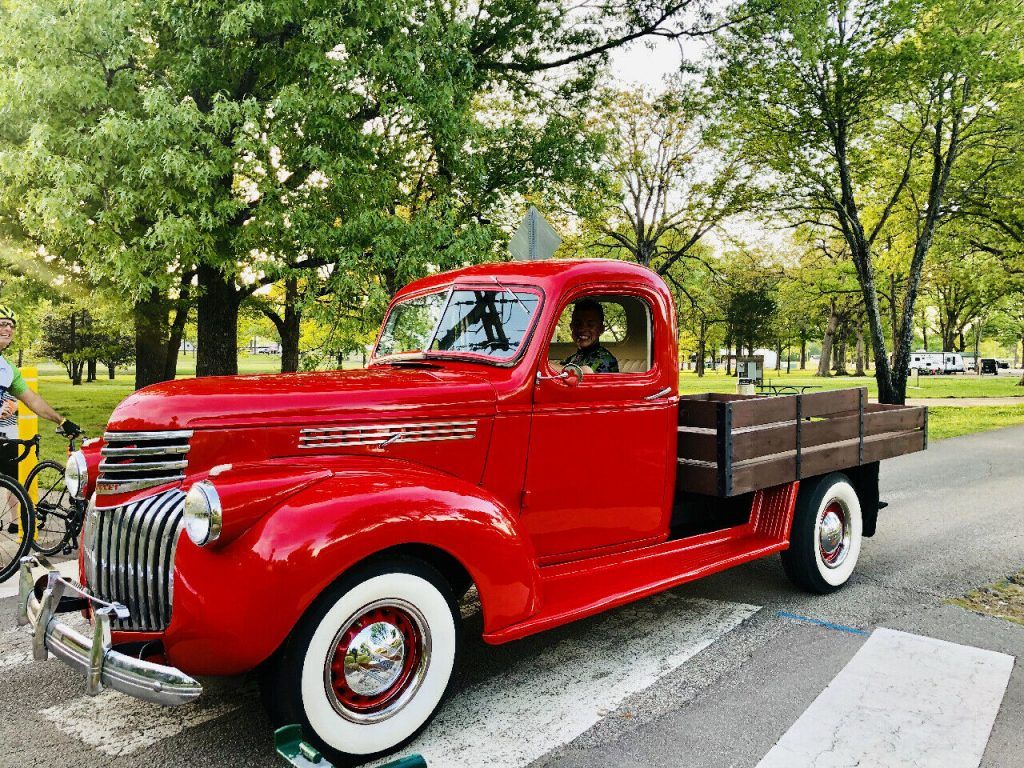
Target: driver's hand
{"points": [[8, 408], [586, 369]]}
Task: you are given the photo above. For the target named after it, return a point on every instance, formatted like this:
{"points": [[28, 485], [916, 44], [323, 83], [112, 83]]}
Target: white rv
{"points": [[937, 362]]}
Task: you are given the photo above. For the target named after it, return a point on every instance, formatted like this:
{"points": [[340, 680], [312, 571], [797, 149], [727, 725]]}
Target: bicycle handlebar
{"points": [[28, 445]]}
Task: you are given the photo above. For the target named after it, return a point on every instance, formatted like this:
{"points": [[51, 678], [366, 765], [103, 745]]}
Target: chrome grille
{"points": [[386, 434], [130, 557], [133, 461]]}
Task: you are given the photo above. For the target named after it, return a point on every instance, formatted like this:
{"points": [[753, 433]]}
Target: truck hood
{"points": [[318, 397]]}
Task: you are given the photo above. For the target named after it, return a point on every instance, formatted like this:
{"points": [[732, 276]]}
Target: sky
{"points": [[647, 64]]}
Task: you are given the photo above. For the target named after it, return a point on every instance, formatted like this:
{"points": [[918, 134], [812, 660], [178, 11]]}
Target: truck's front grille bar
{"points": [[386, 434], [130, 557], [133, 461]]}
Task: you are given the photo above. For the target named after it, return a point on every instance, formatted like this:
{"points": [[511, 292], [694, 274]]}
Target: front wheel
{"points": [[368, 665], [17, 526], [55, 510], [826, 537]]}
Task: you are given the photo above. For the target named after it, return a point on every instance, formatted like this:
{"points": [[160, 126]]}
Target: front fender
{"points": [[235, 605]]}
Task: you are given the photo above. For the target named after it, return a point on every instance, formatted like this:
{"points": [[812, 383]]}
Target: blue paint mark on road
{"points": [[820, 623]]}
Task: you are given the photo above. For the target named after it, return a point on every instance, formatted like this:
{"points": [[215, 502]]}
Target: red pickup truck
{"points": [[322, 527]]}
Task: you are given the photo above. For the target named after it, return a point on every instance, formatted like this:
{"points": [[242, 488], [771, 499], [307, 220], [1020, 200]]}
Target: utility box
{"points": [[750, 370]]}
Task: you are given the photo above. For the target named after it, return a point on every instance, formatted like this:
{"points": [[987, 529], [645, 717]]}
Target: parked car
{"points": [[321, 527]]}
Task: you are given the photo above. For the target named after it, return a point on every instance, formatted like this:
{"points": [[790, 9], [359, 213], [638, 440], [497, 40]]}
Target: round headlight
{"points": [[76, 475], [202, 513]]}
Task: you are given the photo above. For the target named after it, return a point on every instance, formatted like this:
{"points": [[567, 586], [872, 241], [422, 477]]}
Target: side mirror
{"points": [[573, 374]]}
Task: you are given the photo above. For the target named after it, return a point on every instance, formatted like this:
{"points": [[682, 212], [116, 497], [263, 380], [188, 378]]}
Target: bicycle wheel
{"points": [[54, 508], [14, 508]]}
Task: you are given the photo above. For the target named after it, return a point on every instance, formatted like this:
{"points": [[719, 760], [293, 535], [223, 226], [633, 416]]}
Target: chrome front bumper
{"points": [[94, 657]]}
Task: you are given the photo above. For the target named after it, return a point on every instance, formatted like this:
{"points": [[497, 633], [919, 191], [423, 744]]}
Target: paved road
{"points": [[709, 674]]}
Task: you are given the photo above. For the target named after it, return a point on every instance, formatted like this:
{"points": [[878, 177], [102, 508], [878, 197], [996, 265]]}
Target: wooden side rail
{"points": [[733, 444]]}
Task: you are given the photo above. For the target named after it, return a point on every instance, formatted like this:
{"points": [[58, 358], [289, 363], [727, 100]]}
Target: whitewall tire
{"points": [[368, 665], [826, 537]]}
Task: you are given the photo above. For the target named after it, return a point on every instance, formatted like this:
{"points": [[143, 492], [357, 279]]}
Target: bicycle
{"points": [[58, 516], [17, 516]]}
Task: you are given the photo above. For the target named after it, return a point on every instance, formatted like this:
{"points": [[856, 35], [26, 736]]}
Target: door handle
{"points": [[660, 393]]}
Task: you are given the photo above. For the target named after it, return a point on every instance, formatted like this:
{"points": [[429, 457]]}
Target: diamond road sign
{"points": [[535, 239]]}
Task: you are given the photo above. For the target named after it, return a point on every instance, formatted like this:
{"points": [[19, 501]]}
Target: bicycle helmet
{"points": [[6, 313]]}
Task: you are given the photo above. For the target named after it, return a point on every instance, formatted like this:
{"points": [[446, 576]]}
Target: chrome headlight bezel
{"points": [[76, 475], [203, 513]]}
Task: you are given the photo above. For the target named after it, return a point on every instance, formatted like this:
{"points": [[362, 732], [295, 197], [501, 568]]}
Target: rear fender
{"points": [[235, 605]]}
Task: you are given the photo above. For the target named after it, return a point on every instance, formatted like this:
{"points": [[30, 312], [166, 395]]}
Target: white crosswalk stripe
{"points": [[116, 724], [902, 700]]}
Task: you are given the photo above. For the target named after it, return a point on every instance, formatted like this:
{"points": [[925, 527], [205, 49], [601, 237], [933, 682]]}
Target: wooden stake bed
{"points": [[734, 444]]}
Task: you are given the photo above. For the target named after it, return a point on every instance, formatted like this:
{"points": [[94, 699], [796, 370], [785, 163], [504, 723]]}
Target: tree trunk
{"points": [[702, 345], [111, 370], [90, 374], [803, 353], [778, 357], [216, 324], [728, 357], [860, 351], [76, 372], [826, 345], [291, 328], [150, 315], [1021, 382], [177, 333], [839, 351], [21, 357]]}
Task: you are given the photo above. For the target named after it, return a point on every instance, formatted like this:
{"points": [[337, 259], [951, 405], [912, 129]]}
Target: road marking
{"points": [[901, 700], [15, 647], [545, 701], [116, 724]]}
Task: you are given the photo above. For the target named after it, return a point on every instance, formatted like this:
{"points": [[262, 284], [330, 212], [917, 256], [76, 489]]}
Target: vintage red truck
{"points": [[321, 527]]}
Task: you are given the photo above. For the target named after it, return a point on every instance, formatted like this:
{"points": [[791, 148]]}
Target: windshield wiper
{"points": [[512, 294]]}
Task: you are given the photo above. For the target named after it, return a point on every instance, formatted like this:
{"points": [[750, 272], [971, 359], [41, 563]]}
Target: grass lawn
{"points": [[956, 385], [951, 422], [91, 404]]}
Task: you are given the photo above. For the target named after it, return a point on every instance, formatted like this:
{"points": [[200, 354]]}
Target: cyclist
{"points": [[12, 389]]}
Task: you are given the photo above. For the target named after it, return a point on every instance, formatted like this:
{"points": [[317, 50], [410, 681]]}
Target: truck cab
{"points": [[321, 527]]}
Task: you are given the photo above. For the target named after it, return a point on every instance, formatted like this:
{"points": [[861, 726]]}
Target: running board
{"points": [[583, 588]]}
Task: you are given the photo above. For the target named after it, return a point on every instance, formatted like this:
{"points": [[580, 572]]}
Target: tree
{"points": [[671, 185], [242, 143], [67, 340], [859, 108]]}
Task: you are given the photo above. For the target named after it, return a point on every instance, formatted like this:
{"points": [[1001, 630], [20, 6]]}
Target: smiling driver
{"points": [[587, 325]]}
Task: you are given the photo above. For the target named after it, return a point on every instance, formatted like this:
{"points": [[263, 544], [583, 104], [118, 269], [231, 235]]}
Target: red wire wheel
{"points": [[376, 659]]}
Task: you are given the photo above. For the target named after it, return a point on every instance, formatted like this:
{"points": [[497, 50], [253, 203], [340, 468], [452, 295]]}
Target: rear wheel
{"points": [[366, 668], [54, 508], [16, 526], [826, 537]]}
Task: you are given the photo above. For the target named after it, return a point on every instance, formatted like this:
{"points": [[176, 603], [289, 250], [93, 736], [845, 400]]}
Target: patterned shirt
{"points": [[597, 357], [11, 384]]}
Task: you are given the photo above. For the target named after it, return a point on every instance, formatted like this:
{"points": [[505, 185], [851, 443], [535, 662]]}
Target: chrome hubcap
{"points": [[834, 534], [379, 659], [374, 659]]}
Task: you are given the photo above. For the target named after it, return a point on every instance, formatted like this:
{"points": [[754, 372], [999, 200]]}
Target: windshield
{"points": [[485, 322]]}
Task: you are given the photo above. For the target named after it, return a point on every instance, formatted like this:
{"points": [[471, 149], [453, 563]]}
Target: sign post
{"points": [[28, 427]]}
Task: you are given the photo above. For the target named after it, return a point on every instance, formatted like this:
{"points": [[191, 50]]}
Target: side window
{"points": [[605, 333]]}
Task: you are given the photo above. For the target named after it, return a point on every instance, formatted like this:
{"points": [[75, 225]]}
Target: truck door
{"points": [[602, 453]]}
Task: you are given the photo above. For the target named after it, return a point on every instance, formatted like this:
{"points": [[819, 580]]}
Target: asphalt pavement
{"points": [[714, 673]]}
